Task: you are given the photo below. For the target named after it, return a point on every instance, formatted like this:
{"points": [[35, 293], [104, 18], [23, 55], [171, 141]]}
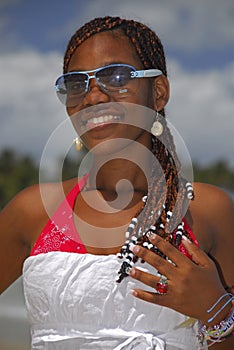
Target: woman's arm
{"points": [[16, 225], [21, 222]]}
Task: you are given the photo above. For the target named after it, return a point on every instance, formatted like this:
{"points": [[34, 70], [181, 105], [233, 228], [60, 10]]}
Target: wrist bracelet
{"points": [[217, 333], [223, 306]]}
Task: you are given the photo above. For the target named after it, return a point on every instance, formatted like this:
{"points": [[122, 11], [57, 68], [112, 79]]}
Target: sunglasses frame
{"points": [[145, 73]]}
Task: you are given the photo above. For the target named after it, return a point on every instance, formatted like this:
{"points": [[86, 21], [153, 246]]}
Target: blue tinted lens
{"points": [[114, 77], [71, 86]]}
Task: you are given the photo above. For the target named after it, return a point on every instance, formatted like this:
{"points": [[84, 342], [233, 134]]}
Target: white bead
{"points": [[130, 246]]}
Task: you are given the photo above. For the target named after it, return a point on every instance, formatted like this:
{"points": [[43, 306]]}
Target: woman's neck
{"points": [[119, 175]]}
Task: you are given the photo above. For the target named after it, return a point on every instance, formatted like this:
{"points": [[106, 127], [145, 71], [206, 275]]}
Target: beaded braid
{"points": [[158, 214]]}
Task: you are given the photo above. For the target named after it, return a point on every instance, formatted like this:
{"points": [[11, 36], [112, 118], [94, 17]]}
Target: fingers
{"points": [[197, 255], [144, 277], [182, 276], [149, 297], [161, 264]]}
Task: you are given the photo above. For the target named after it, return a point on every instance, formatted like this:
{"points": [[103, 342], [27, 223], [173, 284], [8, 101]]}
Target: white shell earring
{"points": [[78, 144], [157, 127]]}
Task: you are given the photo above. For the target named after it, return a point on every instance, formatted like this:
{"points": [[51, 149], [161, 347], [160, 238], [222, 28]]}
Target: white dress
{"points": [[74, 302]]}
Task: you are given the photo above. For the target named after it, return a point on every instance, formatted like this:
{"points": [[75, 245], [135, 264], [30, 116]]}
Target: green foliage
{"points": [[70, 165], [20, 171], [16, 173], [70, 168], [218, 173]]}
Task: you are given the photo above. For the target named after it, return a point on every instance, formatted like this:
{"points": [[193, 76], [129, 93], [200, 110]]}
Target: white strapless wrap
{"points": [[74, 303]]}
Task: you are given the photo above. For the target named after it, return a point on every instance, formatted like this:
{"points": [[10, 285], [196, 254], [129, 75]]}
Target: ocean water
{"points": [[14, 327]]}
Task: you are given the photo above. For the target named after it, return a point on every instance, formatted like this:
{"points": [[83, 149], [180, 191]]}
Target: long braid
{"points": [[157, 208]]}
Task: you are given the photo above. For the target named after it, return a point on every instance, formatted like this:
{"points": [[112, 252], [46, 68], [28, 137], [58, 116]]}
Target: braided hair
{"points": [[160, 214]]}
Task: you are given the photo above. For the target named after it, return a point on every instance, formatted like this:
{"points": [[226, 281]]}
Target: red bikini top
{"points": [[60, 233]]}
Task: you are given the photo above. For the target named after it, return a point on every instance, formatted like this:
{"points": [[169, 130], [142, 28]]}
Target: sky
{"points": [[198, 38]]}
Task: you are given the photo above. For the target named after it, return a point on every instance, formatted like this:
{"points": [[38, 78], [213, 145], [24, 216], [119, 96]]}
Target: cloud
{"points": [[201, 107], [30, 112], [29, 109], [183, 25]]}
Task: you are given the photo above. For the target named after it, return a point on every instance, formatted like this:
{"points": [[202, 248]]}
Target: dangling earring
{"points": [[157, 127], [78, 143]]}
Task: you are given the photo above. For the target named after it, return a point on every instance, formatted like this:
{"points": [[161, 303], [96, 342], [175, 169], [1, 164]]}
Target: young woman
{"points": [[133, 257]]}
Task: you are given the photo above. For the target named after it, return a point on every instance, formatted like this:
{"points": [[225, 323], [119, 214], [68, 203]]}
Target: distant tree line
{"points": [[219, 173], [16, 172], [20, 171]]}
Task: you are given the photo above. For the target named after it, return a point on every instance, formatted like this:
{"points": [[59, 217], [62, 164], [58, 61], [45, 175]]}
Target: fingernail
{"points": [[134, 293], [184, 238], [131, 246], [152, 236], [132, 272], [136, 249]]}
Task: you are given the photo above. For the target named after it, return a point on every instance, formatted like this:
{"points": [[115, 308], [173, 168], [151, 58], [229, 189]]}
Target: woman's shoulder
{"points": [[32, 207], [212, 199], [212, 212], [35, 196]]}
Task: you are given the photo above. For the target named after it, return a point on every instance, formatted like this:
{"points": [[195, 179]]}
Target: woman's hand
{"points": [[193, 285]]}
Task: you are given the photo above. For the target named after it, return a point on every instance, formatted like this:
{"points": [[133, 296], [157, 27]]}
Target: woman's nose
{"points": [[95, 94]]}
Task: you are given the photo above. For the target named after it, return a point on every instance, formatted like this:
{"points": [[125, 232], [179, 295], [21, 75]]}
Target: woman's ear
{"points": [[161, 92]]}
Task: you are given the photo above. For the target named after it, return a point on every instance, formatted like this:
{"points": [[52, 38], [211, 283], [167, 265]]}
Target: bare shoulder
{"points": [[213, 202], [213, 217], [35, 204], [211, 190], [21, 221]]}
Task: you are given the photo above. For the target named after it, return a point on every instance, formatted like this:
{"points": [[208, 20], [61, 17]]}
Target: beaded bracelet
{"points": [[217, 333]]}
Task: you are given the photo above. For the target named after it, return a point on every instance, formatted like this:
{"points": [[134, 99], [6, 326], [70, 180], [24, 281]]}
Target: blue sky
{"points": [[47, 25], [198, 37]]}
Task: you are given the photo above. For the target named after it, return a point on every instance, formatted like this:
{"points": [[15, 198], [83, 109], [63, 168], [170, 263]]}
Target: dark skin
{"points": [[200, 281]]}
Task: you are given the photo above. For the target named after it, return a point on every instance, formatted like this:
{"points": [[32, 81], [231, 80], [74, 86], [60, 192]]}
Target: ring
{"points": [[162, 286]]}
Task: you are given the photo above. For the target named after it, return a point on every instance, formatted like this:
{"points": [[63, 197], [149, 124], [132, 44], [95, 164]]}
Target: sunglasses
{"points": [[112, 79]]}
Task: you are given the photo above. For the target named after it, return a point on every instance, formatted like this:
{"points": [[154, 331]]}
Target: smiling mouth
{"points": [[103, 119], [98, 117]]}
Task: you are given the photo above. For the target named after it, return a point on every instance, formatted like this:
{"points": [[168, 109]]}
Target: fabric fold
{"points": [[74, 302]]}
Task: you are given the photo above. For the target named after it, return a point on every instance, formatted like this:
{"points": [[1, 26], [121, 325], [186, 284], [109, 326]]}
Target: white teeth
{"points": [[103, 119]]}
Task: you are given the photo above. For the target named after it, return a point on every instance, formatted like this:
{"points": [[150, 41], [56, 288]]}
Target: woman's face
{"points": [[101, 50]]}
